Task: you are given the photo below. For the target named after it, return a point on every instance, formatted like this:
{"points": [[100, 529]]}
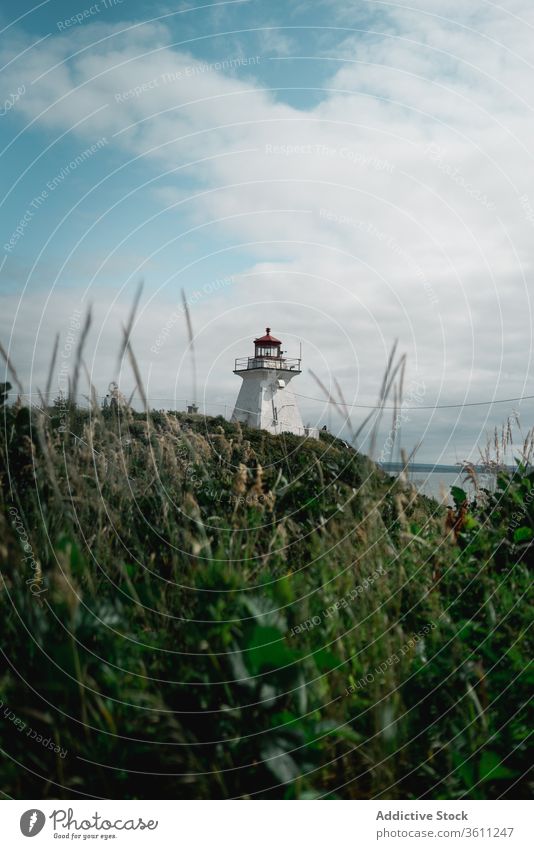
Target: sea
{"points": [[436, 481]]}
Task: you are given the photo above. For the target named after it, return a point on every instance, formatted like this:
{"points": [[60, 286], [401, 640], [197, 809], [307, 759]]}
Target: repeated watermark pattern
{"points": [[237, 604], [185, 74], [237, 497], [415, 396], [370, 229], [23, 728], [11, 99], [39, 200], [347, 154], [63, 374], [437, 154], [178, 315], [519, 515], [88, 12], [392, 660], [341, 604], [36, 582], [528, 209]]}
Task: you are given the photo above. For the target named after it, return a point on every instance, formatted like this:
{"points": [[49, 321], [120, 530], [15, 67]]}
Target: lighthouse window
{"points": [[266, 352]]}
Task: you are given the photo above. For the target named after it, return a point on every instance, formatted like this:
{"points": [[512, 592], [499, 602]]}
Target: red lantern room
{"points": [[268, 354], [267, 346]]}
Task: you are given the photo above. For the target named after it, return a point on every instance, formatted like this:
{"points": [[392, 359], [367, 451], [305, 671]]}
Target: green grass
{"points": [[206, 612]]}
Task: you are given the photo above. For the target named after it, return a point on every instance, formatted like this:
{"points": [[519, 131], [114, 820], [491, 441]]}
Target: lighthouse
{"points": [[265, 399]]}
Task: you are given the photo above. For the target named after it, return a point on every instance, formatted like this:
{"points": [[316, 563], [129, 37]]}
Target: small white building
{"points": [[265, 399]]}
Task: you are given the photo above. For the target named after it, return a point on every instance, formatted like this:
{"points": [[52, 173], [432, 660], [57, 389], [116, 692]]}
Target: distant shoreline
{"points": [[436, 467]]}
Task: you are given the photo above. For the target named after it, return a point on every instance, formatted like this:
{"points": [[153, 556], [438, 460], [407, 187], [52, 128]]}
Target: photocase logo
{"points": [[32, 822]]}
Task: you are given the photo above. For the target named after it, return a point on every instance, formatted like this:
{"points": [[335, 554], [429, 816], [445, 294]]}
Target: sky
{"points": [[346, 173]]}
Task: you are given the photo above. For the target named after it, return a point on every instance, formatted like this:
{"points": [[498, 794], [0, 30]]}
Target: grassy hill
{"points": [[190, 609]]}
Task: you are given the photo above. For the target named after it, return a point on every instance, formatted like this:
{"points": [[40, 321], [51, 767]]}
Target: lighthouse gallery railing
{"points": [[246, 363]]}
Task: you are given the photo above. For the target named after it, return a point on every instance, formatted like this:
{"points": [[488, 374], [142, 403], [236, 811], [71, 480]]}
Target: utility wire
{"points": [[341, 403], [422, 407]]}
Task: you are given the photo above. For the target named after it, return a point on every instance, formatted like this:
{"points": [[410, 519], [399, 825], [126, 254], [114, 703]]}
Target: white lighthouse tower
{"points": [[265, 400]]}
